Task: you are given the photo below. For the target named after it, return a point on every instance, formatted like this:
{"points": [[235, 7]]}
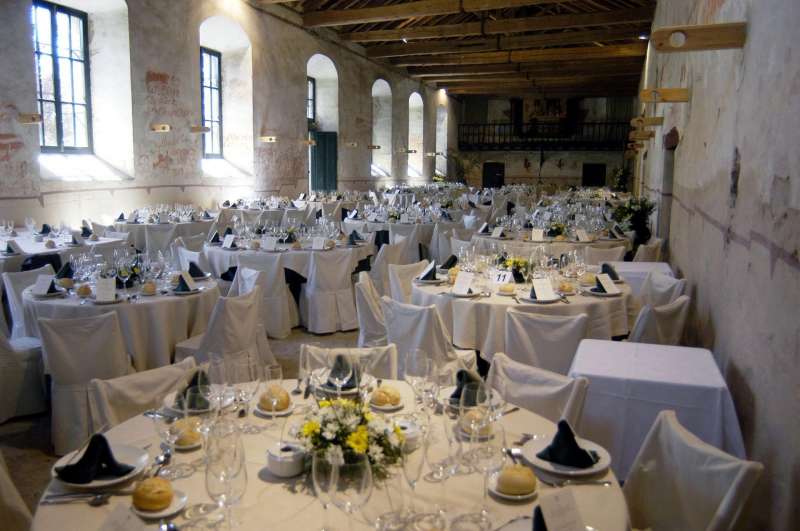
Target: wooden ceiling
{"points": [[590, 47]]}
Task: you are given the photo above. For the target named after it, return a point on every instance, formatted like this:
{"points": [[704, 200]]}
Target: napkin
{"points": [[538, 520], [121, 216], [510, 207], [200, 377], [215, 238], [609, 270], [598, 286], [355, 237], [430, 275], [52, 287], [259, 231], [564, 449], [45, 229], [9, 249], [485, 229], [97, 462], [451, 261], [230, 274], [206, 215], [195, 271], [66, 271], [228, 231], [226, 203], [518, 277], [528, 225], [533, 293], [471, 204], [319, 213], [182, 287], [338, 368], [463, 377], [128, 283], [74, 241], [288, 239], [86, 232], [446, 215]]}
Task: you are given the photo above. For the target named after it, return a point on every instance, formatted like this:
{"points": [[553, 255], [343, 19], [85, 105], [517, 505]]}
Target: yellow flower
{"points": [[324, 403], [359, 440], [399, 432], [368, 416], [310, 428]]}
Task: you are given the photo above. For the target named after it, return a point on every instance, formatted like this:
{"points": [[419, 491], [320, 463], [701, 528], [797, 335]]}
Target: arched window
{"points": [[441, 133], [322, 102], [416, 131], [382, 129]]}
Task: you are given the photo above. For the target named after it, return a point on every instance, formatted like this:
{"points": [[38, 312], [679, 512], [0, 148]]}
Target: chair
{"points": [[15, 284], [659, 289], [458, 247], [546, 393], [199, 258], [409, 236], [76, 351], [401, 277], [595, 255], [371, 323], [13, 512], [420, 327], [650, 251], [158, 238], [471, 221], [379, 361], [37, 261], [194, 243], [679, 482], [326, 300], [278, 312], [545, 341], [114, 401], [21, 378], [662, 325], [99, 229], [388, 254]]}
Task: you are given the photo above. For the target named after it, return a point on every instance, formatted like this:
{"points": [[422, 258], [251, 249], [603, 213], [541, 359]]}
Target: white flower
{"points": [[376, 453], [328, 434]]}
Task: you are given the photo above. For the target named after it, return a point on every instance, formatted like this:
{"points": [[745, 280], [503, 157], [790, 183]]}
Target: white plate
{"points": [[270, 414], [179, 499], [60, 293], [331, 390], [599, 294], [465, 296], [387, 408], [184, 293], [206, 276], [231, 248], [509, 497], [429, 282], [506, 294], [539, 301], [129, 455], [534, 446]]}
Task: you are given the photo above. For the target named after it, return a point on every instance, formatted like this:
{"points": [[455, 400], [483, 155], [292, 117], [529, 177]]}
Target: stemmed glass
{"points": [[170, 425], [353, 485], [30, 224], [344, 371], [325, 476], [248, 374], [226, 473], [201, 404], [417, 371], [272, 376]]}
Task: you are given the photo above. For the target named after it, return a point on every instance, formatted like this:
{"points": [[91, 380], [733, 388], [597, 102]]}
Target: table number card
{"points": [[318, 243], [353, 214], [543, 289], [537, 235], [229, 241], [105, 289], [463, 283], [583, 236], [313, 197], [189, 280], [403, 218], [560, 510], [302, 196], [503, 277], [497, 232], [42, 284], [607, 283], [270, 243]]}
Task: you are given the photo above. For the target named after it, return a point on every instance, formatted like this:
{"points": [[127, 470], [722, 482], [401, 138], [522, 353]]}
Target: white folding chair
{"points": [[21, 378], [388, 254], [379, 361], [678, 481], [545, 341], [420, 327], [114, 401], [15, 283], [158, 237], [78, 350], [659, 289], [278, 312], [371, 323], [546, 393], [185, 256], [650, 251], [401, 277], [13, 512], [662, 325], [326, 300], [595, 254]]}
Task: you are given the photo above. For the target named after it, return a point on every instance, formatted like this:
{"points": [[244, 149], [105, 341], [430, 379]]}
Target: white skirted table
{"points": [[183, 229], [479, 323], [524, 248], [630, 383], [270, 502], [30, 247], [634, 273], [151, 326]]}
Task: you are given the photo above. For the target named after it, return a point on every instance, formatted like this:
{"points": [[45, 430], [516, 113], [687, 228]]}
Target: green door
{"points": [[323, 161]]}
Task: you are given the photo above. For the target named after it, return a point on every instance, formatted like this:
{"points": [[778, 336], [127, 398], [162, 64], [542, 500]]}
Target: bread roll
{"points": [[386, 396], [152, 494], [189, 436], [516, 480], [84, 290], [506, 289], [274, 392], [149, 288], [66, 283]]}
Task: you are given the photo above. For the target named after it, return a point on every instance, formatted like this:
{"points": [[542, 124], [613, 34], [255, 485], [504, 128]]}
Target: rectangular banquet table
{"points": [[630, 383], [184, 229], [634, 273], [30, 247]]}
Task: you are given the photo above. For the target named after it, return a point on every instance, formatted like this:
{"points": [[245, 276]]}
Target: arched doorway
{"points": [[322, 113]]}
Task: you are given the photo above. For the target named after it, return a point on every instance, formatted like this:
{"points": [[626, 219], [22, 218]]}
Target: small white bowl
{"points": [[286, 460]]}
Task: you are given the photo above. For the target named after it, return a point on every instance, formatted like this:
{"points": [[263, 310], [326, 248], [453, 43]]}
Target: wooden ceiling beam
{"points": [[549, 91], [596, 65], [634, 74], [560, 81], [422, 8], [501, 26]]}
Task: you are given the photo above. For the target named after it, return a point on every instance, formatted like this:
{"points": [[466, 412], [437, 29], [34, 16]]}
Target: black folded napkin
{"points": [[338, 368], [528, 225], [598, 286], [288, 239], [518, 277], [45, 229], [206, 215], [9, 249], [319, 213], [74, 241], [230, 274], [128, 283], [228, 231], [121, 216], [66, 271], [345, 212], [85, 232], [215, 238], [564, 449], [199, 402], [609, 270], [538, 520], [52, 287], [259, 231], [471, 204], [430, 275], [182, 286], [487, 203], [195, 271], [485, 229], [451, 261], [96, 462], [552, 233], [446, 215], [510, 208], [533, 293], [354, 238], [226, 203], [464, 377]]}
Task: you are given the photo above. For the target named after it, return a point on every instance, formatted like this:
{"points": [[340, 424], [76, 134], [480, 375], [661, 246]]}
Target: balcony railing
{"points": [[561, 136]]}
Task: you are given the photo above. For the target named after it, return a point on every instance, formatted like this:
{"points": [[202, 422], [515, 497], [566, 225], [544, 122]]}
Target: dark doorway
{"points": [[323, 161], [494, 174], [594, 175]]}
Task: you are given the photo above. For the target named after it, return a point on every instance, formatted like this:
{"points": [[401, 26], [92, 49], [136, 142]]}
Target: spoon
{"points": [[161, 461], [167, 526], [95, 501]]}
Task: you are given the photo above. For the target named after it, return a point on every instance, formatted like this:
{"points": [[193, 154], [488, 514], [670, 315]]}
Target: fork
{"points": [[568, 482]]}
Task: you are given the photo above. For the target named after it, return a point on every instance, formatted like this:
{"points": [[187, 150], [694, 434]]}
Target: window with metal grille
{"points": [[211, 101], [311, 100], [60, 45]]}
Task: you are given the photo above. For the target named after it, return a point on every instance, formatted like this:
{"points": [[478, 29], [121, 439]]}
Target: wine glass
{"points": [[247, 373], [30, 224], [341, 370], [488, 457], [170, 425], [226, 473], [353, 485], [417, 370], [324, 475], [201, 406], [272, 376]]}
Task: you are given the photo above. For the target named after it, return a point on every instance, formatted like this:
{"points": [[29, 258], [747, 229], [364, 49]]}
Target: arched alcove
{"points": [[416, 132], [441, 133], [382, 129], [322, 112]]}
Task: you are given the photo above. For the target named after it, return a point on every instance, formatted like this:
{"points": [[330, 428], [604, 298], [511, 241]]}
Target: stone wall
{"points": [[734, 222]]}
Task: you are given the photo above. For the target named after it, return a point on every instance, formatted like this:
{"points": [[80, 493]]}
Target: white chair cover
{"points": [[401, 277], [546, 393], [471, 221], [420, 327], [388, 254], [99, 229], [158, 237], [659, 289], [409, 236], [278, 312], [199, 258], [650, 251], [662, 325], [5, 331], [371, 323], [594, 255], [15, 283], [114, 401], [679, 482], [21, 378], [78, 350], [545, 341], [457, 247], [294, 217], [124, 236], [13, 512], [326, 300], [195, 243], [379, 361]]}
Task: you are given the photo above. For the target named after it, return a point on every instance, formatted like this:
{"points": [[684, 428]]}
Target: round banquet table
{"points": [[518, 247], [151, 326], [271, 502], [183, 229], [220, 259], [479, 323], [30, 247]]}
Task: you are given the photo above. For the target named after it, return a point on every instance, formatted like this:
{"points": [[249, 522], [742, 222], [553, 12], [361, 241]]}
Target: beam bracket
{"points": [[700, 37]]}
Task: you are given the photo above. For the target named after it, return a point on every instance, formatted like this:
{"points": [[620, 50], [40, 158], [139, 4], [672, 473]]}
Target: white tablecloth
{"points": [[424, 230], [151, 326], [630, 383], [480, 323], [30, 247], [634, 273], [183, 229], [525, 248], [274, 503]]}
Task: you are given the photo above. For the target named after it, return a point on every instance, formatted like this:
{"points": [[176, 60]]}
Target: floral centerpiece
{"points": [[636, 215], [344, 428], [556, 229], [393, 215], [517, 266]]}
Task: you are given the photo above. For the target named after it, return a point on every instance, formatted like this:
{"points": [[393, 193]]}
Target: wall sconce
{"points": [[373, 146], [411, 151], [431, 154], [268, 139], [200, 129], [308, 142], [160, 128], [29, 118]]}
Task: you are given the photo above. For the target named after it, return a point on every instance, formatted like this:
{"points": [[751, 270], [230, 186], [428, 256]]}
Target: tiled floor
{"points": [[25, 443]]}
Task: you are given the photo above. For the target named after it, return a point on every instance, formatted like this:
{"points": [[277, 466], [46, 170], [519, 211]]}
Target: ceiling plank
{"points": [[514, 25], [422, 8], [550, 91], [613, 64]]}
